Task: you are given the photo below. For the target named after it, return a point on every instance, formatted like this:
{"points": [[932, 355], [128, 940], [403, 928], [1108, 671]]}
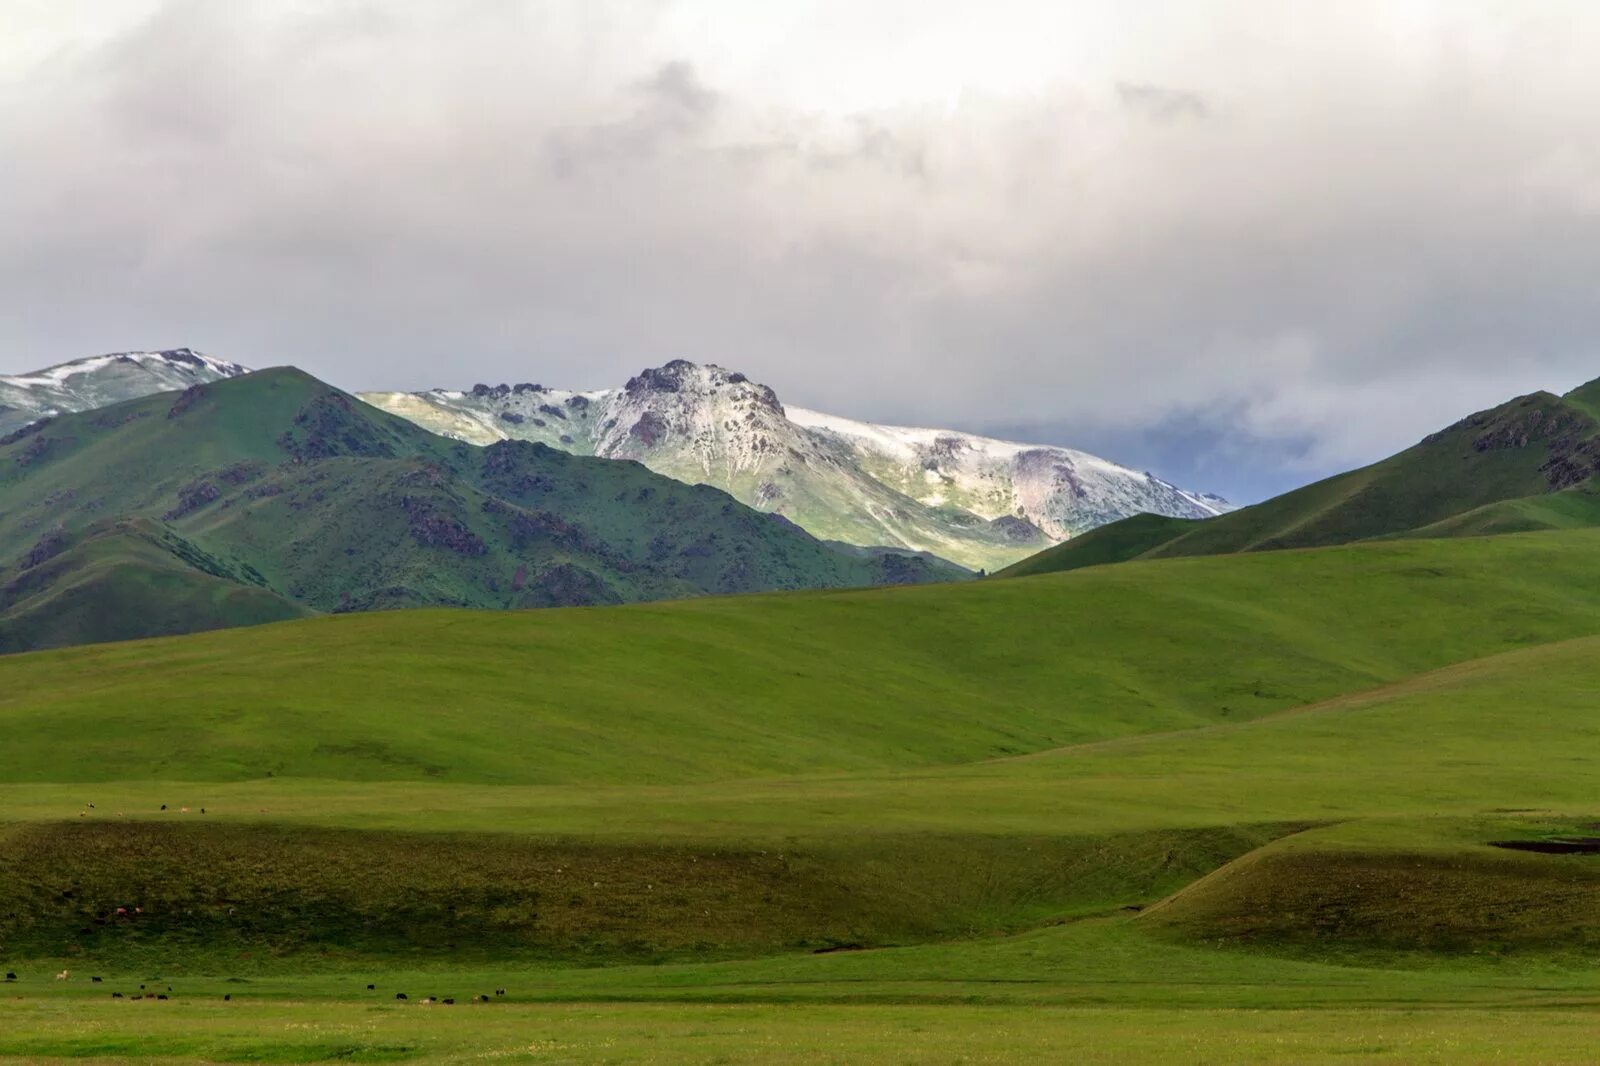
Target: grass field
{"points": [[1223, 809]]}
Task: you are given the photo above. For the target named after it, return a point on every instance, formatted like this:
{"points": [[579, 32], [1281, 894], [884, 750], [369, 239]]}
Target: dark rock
{"points": [[434, 529], [52, 544], [241, 473], [553, 411], [1018, 530], [182, 355], [512, 417], [667, 378], [192, 497], [650, 430], [26, 431], [187, 399]]}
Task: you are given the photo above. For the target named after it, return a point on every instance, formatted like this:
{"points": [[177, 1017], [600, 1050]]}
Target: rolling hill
{"points": [[1203, 709], [1205, 795], [1525, 465], [271, 494]]}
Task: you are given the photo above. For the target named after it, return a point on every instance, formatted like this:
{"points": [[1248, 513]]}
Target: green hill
{"points": [[1527, 464], [123, 580], [859, 681], [308, 500]]}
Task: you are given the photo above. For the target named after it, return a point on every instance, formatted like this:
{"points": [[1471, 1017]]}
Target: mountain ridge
{"points": [[276, 482], [975, 500]]}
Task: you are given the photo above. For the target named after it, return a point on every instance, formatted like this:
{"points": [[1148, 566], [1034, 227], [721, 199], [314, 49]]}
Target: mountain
{"points": [[1530, 463], [977, 501], [271, 495], [100, 380]]}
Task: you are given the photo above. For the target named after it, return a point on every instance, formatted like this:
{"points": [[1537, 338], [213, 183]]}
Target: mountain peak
{"points": [[975, 501], [682, 376], [101, 380]]}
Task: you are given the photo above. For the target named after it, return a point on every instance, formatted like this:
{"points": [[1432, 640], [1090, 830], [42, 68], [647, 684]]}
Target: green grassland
{"points": [[1234, 808]]}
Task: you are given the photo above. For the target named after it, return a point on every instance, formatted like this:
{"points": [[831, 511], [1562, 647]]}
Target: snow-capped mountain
{"points": [[980, 502], [98, 380]]}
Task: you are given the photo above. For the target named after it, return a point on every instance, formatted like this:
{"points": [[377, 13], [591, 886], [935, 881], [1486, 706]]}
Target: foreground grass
{"points": [[318, 1032]]}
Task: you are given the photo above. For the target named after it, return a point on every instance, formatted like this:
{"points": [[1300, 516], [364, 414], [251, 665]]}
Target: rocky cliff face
{"points": [[977, 501]]}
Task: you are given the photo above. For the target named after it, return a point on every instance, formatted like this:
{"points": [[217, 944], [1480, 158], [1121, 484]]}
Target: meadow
{"points": [[1213, 809]]}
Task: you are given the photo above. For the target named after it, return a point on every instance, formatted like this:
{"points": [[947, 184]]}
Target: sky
{"points": [[1243, 245]]}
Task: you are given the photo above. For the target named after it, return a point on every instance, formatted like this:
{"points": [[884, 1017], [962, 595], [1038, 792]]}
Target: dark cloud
{"points": [[1358, 243]]}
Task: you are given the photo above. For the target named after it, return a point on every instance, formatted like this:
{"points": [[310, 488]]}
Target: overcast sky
{"points": [[1241, 244]]}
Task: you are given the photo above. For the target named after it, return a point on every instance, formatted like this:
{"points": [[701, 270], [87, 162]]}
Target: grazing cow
{"points": [[161, 997], [483, 999], [450, 1003], [96, 980], [371, 987], [10, 976], [116, 995], [399, 995], [499, 991], [163, 806], [227, 997], [426, 1000], [63, 975]]}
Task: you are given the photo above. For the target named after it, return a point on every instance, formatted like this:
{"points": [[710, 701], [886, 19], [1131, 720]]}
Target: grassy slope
{"points": [[849, 681], [1117, 542], [1493, 472], [127, 580]]}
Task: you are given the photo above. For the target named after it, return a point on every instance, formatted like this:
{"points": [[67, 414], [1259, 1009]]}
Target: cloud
{"points": [[1253, 243], [1163, 105]]}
